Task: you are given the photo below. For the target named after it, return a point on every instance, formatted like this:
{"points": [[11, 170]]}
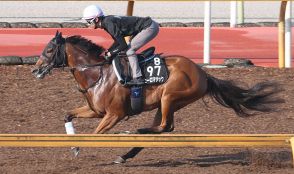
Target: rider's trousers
{"points": [[136, 43]]}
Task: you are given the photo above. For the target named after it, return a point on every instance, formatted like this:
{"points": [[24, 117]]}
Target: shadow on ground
{"points": [[278, 159]]}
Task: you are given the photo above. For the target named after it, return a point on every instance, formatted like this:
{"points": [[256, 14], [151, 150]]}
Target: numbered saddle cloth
{"points": [[154, 69], [152, 66]]}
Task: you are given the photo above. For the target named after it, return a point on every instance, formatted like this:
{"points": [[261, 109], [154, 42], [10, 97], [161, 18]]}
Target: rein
{"points": [[83, 68]]}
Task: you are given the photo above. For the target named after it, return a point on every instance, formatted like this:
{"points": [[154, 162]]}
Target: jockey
{"points": [[141, 30]]}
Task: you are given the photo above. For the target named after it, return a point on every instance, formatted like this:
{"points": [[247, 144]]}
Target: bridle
{"points": [[59, 60], [58, 56]]}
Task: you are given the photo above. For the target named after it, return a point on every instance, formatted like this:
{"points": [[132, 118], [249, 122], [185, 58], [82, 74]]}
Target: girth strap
{"points": [[117, 69]]}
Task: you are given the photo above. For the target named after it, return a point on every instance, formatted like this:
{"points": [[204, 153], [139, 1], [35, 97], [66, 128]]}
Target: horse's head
{"points": [[53, 56]]}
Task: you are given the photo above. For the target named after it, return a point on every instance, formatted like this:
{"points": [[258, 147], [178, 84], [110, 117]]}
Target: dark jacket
{"points": [[121, 26]]}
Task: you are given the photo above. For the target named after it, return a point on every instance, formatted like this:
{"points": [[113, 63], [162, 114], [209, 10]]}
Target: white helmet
{"points": [[92, 11]]}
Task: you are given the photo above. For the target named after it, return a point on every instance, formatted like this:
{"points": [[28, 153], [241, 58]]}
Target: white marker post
{"points": [[288, 35], [207, 23], [233, 19]]}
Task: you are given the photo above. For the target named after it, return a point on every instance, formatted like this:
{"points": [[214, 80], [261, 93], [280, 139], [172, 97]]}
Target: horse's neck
{"points": [[89, 76], [77, 56]]}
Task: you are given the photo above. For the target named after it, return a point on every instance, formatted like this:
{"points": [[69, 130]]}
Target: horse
{"points": [[108, 99]]}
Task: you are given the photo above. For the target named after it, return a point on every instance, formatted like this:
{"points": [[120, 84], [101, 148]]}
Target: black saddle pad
{"points": [[152, 65], [154, 69]]}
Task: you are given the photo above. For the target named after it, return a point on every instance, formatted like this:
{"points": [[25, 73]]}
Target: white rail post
{"points": [[240, 12], [233, 18], [288, 35], [207, 23]]}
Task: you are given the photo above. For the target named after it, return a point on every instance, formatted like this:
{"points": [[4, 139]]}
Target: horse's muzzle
{"points": [[38, 73]]}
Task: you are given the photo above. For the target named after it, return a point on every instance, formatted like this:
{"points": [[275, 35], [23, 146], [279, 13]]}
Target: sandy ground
{"points": [[36, 106]]}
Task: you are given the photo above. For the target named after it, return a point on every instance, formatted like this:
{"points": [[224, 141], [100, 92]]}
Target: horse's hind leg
{"points": [[134, 151], [131, 154], [169, 121], [163, 121]]}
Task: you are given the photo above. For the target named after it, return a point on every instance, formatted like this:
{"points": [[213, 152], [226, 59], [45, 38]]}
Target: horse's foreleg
{"points": [[108, 121], [82, 112]]}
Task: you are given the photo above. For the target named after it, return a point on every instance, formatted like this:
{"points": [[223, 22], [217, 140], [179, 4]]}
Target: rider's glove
{"points": [[107, 56]]}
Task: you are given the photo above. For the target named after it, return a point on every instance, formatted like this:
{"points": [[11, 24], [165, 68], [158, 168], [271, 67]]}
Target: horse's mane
{"points": [[85, 44]]}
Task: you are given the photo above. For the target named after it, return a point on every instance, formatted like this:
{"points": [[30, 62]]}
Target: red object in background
{"points": [[259, 44]]}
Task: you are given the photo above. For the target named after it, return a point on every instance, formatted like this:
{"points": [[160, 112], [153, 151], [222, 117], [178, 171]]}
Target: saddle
{"points": [[153, 69], [152, 65]]}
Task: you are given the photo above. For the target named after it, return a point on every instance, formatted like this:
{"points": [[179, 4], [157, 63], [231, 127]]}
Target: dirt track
{"points": [[29, 105]]}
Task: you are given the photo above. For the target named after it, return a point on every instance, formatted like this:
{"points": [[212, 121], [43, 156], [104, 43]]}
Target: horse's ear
{"points": [[57, 33], [58, 37]]}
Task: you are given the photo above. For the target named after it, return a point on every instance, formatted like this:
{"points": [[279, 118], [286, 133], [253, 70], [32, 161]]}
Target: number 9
{"points": [[150, 70]]}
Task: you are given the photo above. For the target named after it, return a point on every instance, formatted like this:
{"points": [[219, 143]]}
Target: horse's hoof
{"points": [[119, 160], [76, 151]]}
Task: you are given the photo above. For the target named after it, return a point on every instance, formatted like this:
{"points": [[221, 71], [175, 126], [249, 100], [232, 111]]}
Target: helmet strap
{"points": [[98, 23]]}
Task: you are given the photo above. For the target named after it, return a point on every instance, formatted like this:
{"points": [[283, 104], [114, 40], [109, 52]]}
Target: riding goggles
{"points": [[91, 21]]}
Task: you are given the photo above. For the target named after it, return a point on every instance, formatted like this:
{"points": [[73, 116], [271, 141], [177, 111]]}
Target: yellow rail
{"points": [[167, 140], [135, 140], [150, 0]]}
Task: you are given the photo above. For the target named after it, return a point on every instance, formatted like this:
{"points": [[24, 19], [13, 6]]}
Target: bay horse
{"points": [[108, 99]]}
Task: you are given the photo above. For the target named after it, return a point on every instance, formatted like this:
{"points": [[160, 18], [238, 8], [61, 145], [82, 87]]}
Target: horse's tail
{"points": [[260, 97]]}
